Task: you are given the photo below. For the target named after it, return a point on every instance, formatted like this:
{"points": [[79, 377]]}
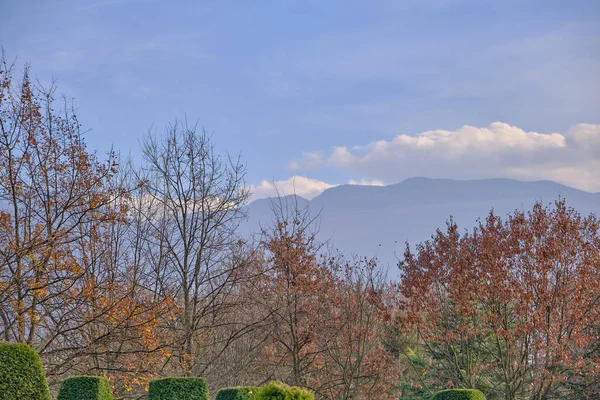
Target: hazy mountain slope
{"points": [[377, 221]]}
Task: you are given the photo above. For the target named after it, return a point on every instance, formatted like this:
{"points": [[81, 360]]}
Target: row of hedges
{"points": [[239, 393], [280, 391], [178, 388], [459, 394], [85, 388], [22, 376], [196, 389]]}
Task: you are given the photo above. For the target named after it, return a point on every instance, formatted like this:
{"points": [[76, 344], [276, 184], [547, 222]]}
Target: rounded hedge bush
{"points": [[85, 388], [238, 393], [178, 389], [459, 394], [22, 375], [280, 391]]}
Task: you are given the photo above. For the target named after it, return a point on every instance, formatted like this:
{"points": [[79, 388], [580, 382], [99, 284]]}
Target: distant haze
{"points": [[378, 220]]}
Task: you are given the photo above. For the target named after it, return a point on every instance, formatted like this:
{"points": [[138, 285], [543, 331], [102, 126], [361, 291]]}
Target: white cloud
{"points": [[365, 182], [341, 157], [299, 185], [499, 150]]}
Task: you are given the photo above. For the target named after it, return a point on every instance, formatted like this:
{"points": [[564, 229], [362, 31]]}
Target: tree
{"points": [[324, 316], [294, 293], [67, 286], [192, 203], [55, 196], [356, 364], [508, 307]]}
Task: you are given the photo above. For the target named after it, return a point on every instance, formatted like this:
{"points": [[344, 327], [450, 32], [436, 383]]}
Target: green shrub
{"points": [[178, 389], [238, 393], [85, 388], [459, 394], [22, 375], [296, 393], [280, 391], [273, 391]]}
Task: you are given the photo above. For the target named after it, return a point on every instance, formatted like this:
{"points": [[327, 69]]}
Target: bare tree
{"points": [[194, 198]]}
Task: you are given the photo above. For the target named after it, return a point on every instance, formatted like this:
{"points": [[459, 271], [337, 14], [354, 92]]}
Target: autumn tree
{"points": [[509, 307], [293, 291], [55, 196], [67, 286], [357, 364], [324, 316]]}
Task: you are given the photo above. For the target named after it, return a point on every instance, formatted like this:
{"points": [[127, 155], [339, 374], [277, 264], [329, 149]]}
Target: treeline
{"points": [[135, 271]]}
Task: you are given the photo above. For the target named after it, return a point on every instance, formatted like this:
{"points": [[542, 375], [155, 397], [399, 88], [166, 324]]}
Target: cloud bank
{"points": [[499, 150], [299, 185]]}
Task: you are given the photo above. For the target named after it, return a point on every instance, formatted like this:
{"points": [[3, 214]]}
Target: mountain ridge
{"points": [[376, 221]]}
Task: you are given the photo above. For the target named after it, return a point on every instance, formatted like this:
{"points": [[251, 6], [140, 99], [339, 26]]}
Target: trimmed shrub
{"points": [[22, 375], [280, 391], [296, 393], [238, 393], [273, 391], [459, 394], [85, 388], [178, 389]]}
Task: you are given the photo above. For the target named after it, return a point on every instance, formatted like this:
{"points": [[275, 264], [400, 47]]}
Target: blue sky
{"points": [[334, 91]]}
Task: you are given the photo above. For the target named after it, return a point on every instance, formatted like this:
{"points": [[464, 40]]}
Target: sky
{"points": [[320, 93]]}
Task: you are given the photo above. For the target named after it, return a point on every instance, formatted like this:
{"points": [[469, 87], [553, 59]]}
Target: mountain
{"points": [[378, 220]]}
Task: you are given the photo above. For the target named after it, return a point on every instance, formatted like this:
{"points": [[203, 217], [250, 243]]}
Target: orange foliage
{"points": [[64, 286], [511, 301]]}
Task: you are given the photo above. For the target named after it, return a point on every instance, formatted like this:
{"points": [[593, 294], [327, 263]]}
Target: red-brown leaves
{"points": [[326, 316], [515, 291]]}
